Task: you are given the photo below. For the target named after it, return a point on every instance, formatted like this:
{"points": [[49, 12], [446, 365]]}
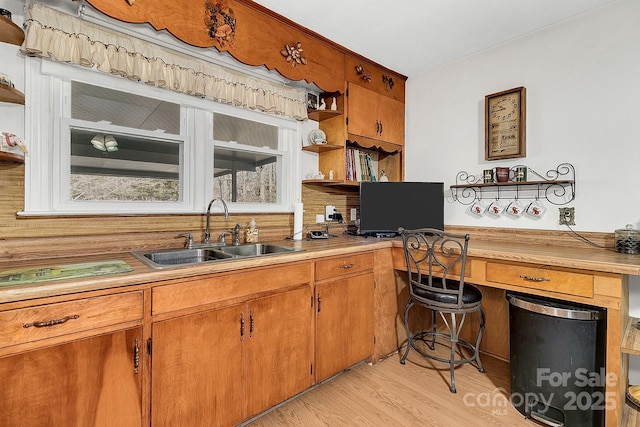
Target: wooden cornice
{"points": [[260, 36]]}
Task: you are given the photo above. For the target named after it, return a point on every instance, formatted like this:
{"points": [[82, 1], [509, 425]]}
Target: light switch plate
{"points": [[354, 214]]}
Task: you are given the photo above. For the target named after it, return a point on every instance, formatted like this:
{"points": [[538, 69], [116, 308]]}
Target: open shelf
{"points": [[330, 182], [320, 115], [9, 94], [321, 148], [10, 32], [469, 188], [11, 158]]}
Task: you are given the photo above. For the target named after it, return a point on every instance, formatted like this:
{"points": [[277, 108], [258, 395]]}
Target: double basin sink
{"points": [[211, 253]]}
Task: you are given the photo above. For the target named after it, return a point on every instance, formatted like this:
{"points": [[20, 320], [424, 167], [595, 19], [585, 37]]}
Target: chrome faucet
{"points": [[207, 230]]}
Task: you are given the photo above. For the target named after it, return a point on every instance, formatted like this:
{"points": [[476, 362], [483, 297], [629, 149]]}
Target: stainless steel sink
{"points": [[256, 249], [166, 258], [176, 257]]}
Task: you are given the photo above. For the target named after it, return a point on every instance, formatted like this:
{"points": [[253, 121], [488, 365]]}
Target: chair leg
{"points": [[480, 332], [406, 328], [453, 333], [434, 329]]}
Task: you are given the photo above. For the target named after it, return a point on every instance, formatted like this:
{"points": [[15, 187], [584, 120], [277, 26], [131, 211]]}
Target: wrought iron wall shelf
{"points": [[557, 186]]}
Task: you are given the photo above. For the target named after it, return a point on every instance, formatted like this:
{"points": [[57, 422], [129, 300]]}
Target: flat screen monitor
{"points": [[386, 206]]}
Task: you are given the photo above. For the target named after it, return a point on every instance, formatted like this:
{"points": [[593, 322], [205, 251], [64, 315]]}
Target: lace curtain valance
{"points": [[56, 35]]}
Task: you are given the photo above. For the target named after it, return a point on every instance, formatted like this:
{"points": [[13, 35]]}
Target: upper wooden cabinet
{"points": [[374, 116]]}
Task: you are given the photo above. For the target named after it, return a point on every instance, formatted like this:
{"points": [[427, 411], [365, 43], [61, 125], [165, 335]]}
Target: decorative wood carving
{"points": [[293, 54], [365, 74], [221, 22], [255, 37]]}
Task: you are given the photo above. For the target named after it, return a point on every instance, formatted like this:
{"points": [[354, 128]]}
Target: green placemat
{"points": [[62, 272]]}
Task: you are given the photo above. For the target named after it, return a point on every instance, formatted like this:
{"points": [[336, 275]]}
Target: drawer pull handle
{"points": [[535, 279], [50, 322], [241, 326], [345, 266], [252, 323]]}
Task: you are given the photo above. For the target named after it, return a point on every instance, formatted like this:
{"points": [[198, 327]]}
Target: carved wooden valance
{"points": [[247, 31]]}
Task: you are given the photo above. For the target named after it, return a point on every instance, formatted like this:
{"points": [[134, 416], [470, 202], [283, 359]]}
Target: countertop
{"points": [[594, 259]]}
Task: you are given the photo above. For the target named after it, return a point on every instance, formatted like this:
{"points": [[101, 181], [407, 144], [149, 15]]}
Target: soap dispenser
{"points": [[252, 232]]}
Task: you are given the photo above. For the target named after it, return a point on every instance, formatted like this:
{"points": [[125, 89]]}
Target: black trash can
{"points": [[557, 355]]}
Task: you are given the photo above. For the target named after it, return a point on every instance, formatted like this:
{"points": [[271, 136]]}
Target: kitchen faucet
{"points": [[207, 230]]}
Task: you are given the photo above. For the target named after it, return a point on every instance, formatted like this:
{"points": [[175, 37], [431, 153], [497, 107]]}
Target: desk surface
{"points": [[594, 259]]}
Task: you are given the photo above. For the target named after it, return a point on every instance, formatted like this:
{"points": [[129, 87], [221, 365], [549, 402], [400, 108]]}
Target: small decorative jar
{"points": [[627, 240]]}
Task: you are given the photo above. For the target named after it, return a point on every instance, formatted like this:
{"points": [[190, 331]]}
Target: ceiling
{"points": [[413, 36]]}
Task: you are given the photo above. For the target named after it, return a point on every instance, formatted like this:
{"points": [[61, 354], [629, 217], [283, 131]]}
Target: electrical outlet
{"points": [[567, 216], [329, 210], [354, 214]]}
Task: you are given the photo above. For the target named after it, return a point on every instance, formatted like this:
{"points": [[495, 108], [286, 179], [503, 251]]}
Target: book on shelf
{"points": [[361, 165]]}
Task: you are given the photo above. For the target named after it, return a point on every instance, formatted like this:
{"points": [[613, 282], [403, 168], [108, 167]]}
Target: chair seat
{"points": [[470, 295]]}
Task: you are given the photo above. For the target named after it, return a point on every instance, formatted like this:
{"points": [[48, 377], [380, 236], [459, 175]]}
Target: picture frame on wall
{"points": [[312, 101], [505, 124]]}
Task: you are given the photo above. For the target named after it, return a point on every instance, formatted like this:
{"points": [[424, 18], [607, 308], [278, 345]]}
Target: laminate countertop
{"points": [[593, 259]]}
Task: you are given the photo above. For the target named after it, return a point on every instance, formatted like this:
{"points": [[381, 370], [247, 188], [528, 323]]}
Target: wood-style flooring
{"points": [[416, 394]]}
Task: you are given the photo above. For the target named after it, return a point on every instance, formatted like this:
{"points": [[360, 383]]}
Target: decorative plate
{"points": [[317, 136]]}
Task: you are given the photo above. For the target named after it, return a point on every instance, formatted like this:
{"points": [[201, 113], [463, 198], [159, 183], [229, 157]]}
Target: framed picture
{"points": [[505, 124], [312, 101]]}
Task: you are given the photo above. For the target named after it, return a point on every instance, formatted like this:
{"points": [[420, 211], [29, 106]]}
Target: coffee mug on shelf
{"points": [[495, 209], [514, 209], [535, 210], [502, 174], [477, 208], [487, 176]]}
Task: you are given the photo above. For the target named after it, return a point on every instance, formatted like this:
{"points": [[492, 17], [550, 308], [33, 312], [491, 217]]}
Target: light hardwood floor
{"points": [[416, 394]]}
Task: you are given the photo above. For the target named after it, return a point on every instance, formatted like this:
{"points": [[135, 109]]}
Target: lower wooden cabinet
{"points": [[221, 366], [89, 382], [197, 369], [344, 322]]}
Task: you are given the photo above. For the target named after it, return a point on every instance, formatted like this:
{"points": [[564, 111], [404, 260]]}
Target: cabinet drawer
{"points": [[54, 320], [182, 294], [348, 264], [564, 282]]}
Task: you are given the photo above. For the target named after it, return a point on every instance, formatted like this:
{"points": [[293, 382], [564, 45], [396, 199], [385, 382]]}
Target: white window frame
{"points": [[48, 125]]}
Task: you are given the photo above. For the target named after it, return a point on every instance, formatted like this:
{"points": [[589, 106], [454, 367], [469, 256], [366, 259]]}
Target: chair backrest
{"points": [[436, 263]]}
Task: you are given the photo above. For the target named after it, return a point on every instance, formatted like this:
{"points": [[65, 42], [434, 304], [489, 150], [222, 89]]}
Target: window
{"points": [[141, 149], [246, 168]]}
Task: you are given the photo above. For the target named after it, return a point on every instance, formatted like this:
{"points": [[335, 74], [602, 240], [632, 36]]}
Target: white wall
{"points": [[583, 107], [583, 88]]}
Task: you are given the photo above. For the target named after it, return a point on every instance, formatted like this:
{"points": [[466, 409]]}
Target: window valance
{"points": [[56, 35]]}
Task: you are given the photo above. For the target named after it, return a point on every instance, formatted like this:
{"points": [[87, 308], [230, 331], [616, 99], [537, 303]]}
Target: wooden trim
{"points": [[286, 21]]}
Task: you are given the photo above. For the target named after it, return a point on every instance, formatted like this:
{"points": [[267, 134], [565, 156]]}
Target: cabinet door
{"points": [[90, 382], [278, 348], [344, 323], [362, 107], [391, 116], [196, 374]]}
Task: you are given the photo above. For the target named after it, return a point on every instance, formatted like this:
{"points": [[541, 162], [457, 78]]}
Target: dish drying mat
{"points": [[62, 272]]}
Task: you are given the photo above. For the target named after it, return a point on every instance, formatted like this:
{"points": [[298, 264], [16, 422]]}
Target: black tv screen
{"points": [[386, 206]]}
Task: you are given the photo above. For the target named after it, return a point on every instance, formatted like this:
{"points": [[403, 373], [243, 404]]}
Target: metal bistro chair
{"points": [[432, 257]]}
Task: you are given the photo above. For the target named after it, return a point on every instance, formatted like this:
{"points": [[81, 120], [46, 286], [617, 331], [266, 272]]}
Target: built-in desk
{"points": [[596, 277]]}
